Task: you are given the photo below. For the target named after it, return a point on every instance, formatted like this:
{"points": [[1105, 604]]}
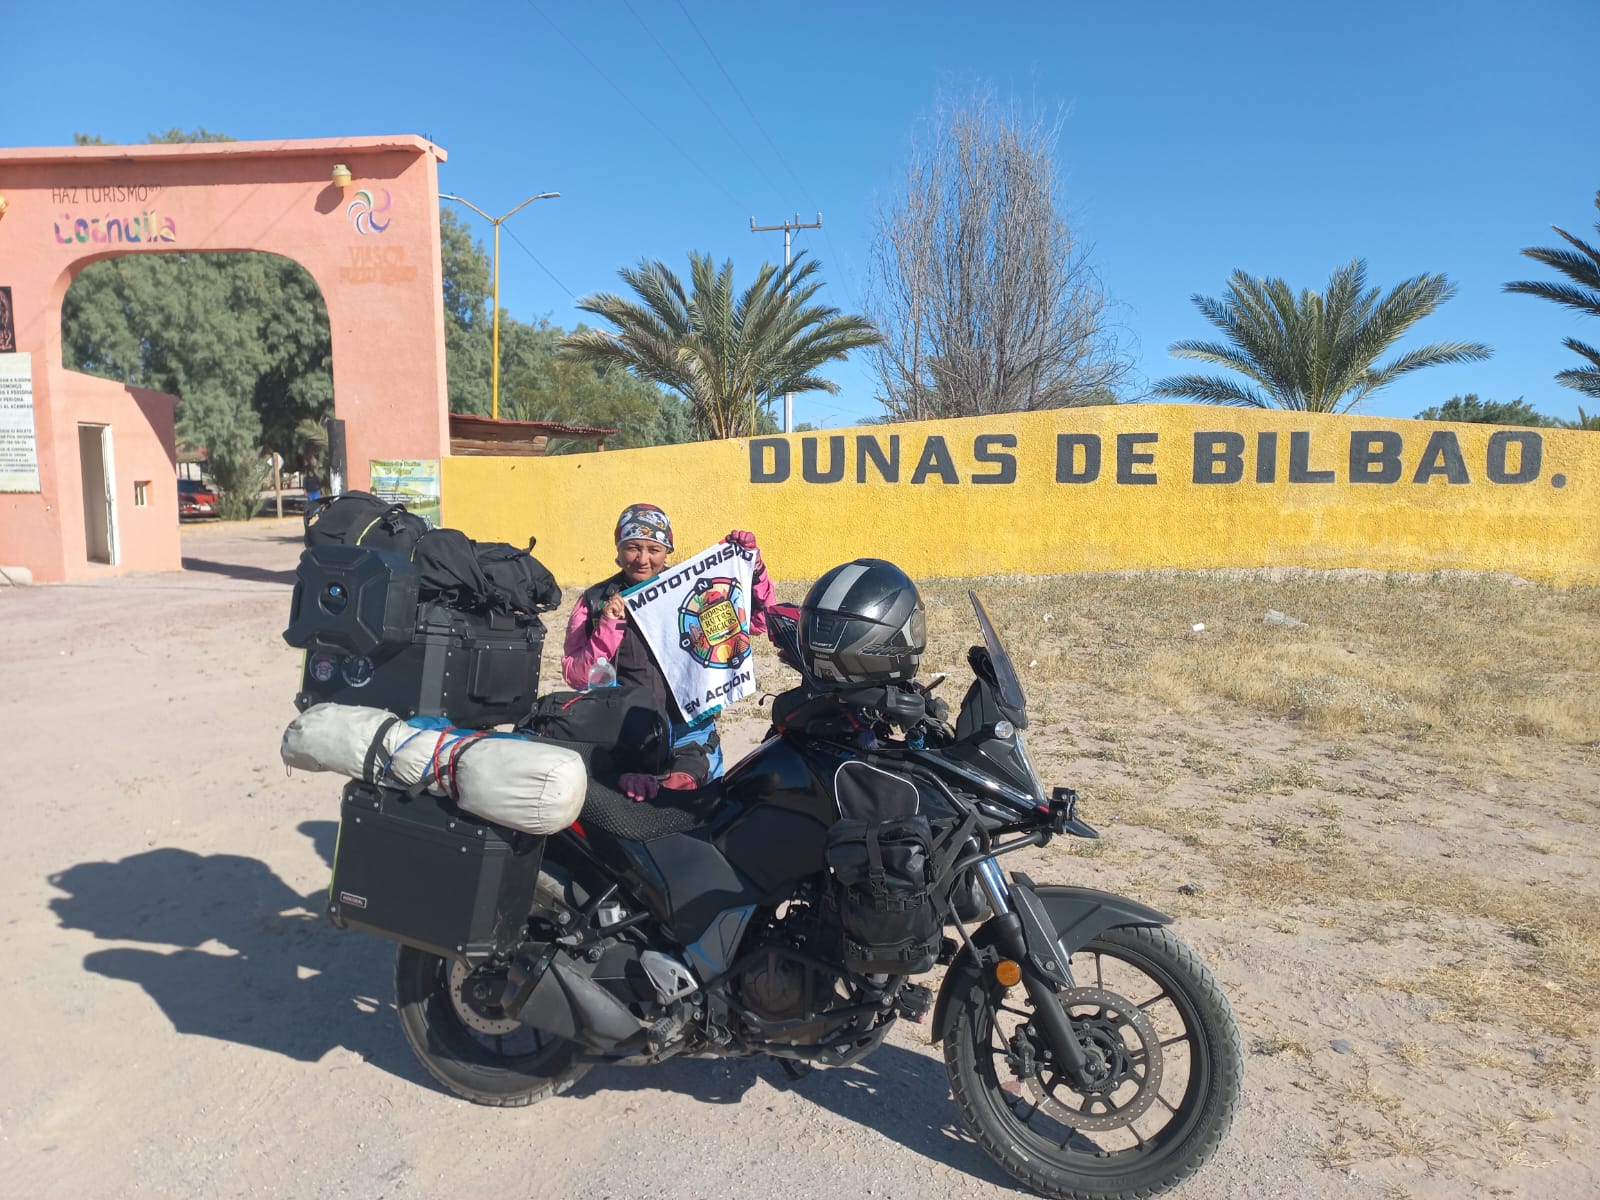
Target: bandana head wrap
{"points": [[646, 522]]}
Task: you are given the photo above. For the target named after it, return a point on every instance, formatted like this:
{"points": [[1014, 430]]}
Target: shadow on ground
{"points": [[244, 958], [901, 1094], [238, 570]]}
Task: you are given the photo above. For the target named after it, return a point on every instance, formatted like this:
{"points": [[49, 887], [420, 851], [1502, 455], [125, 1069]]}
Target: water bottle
{"points": [[602, 674]]}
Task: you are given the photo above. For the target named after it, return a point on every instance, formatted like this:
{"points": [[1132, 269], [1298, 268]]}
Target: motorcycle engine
{"points": [[777, 987], [781, 985]]}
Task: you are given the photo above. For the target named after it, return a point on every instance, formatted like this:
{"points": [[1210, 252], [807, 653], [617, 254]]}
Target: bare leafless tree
{"points": [[985, 298]]}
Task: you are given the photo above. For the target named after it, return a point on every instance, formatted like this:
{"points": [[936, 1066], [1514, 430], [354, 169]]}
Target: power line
{"points": [[643, 116], [709, 107], [854, 302], [512, 235], [740, 94], [788, 228]]}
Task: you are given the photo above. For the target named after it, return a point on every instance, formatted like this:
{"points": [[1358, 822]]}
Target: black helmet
{"points": [[862, 623]]}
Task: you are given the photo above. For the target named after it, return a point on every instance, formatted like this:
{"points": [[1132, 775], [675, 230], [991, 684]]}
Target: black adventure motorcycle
{"points": [[785, 909]]}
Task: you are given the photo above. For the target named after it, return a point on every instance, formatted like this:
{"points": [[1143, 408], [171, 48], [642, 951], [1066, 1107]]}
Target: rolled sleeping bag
{"points": [[520, 782], [512, 780], [334, 737]]}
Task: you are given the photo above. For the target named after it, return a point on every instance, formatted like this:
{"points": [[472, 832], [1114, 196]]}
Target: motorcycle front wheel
{"points": [[1164, 1053], [467, 1043]]}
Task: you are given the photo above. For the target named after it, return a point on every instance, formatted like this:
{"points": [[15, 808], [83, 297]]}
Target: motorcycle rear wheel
{"points": [[1174, 1065], [471, 1052]]}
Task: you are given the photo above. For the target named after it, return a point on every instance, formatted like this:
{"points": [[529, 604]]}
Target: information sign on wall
{"points": [[413, 482], [19, 449]]}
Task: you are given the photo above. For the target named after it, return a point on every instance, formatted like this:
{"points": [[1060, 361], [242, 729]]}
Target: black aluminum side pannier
{"points": [[881, 871], [415, 869]]}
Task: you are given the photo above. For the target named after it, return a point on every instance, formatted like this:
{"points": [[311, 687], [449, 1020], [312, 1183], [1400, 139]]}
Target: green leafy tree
{"points": [[526, 346], [673, 426], [1584, 421], [467, 319], [729, 354], [1315, 352], [1581, 266], [1486, 412], [241, 339], [576, 393]]}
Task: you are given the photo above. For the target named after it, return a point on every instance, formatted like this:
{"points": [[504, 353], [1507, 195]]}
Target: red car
{"points": [[195, 499]]}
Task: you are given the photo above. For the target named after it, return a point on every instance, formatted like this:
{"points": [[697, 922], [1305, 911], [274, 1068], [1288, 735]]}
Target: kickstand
{"points": [[796, 1071]]}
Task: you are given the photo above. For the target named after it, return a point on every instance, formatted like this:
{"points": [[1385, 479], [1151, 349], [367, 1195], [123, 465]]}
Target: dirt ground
{"points": [[181, 1021]]}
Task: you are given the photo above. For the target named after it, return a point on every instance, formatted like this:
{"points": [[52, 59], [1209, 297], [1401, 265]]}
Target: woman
{"points": [[600, 627]]}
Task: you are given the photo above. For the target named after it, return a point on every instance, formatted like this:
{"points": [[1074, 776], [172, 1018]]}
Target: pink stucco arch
{"points": [[372, 246]]}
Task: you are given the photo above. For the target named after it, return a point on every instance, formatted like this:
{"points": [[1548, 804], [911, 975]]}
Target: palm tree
{"points": [[1582, 266], [1314, 352], [728, 355]]}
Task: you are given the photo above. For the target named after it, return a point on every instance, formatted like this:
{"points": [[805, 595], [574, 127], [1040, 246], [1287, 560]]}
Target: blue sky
{"points": [[1280, 138]]}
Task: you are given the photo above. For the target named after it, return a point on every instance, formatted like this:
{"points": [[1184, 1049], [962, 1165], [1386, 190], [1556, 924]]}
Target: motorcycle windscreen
{"points": [[1009, 687]]}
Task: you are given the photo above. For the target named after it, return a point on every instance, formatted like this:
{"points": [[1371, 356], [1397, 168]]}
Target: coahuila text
{"points": [[141, 227], [1214, 457]]}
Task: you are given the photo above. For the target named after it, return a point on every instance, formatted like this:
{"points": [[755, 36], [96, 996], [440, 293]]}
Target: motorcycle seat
{"points": [[670, 812], [608, 810]]}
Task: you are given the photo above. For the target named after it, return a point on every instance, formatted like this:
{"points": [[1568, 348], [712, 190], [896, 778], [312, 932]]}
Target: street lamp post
{"points": [[494, 403]]}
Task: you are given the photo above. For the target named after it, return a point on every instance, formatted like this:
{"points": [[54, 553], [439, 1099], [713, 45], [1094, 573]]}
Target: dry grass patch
{"points": [[1274, 1046], [1553, 984], [1571, 1069], [1413, 1054], [1359, 1089], [1396, 653], [1405, 1137]]}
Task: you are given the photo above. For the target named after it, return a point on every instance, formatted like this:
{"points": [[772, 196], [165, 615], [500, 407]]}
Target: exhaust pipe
{"points": [[552, 994]]}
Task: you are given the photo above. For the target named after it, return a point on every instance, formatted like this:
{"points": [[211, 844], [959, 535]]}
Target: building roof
{"points": [[472, 421]]}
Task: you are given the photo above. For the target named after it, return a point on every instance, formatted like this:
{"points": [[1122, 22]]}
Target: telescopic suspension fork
{"points": [[1027, 936]]}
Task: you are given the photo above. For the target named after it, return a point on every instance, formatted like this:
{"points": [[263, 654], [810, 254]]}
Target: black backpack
{"points": [[362, 519], [518, 582]]}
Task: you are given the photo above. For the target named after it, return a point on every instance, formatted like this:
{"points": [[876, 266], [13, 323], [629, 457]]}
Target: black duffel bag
{"points": [[518, 582], [879, 894], [362, 519], [623, 720], [448, 570]]}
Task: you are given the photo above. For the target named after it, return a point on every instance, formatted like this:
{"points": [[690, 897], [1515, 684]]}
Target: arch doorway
{"points": [[370, 242]]}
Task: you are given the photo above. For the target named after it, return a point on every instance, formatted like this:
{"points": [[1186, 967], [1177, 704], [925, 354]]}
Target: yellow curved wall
{"points": [[1174, 486]]}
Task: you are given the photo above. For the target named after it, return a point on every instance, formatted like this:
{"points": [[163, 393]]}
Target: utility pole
{"points": [[787, 227], [494, 386]]}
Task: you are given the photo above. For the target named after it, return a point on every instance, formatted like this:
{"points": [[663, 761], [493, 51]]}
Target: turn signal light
{"points": [[1008, 972]]}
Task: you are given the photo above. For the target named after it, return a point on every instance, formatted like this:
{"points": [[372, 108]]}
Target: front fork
{"points": [[1027, 936]]}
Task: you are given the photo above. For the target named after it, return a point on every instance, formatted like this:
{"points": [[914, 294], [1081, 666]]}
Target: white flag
{"points": [[696, 618]]}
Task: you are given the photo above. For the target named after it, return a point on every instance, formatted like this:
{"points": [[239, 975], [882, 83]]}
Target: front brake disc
{"points": [[1112, 1059]]}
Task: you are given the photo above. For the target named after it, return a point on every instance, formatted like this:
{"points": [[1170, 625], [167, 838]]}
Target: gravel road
{"points": [[182, 1022]]}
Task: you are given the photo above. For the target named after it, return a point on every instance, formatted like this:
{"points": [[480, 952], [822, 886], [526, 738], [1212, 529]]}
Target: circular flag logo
{"points": [[711, 623]]}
